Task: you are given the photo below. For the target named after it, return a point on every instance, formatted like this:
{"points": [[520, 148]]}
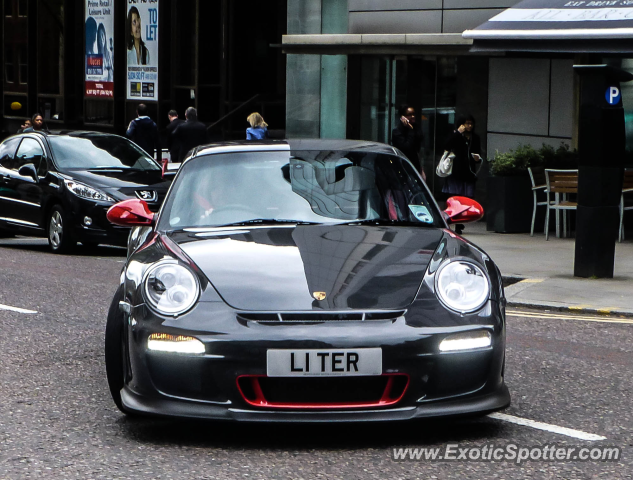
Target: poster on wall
{"points": [[142, 50], [99, 79]]}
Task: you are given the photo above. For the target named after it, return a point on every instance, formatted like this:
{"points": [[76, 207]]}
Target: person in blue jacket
{"points": [[258, 129]]}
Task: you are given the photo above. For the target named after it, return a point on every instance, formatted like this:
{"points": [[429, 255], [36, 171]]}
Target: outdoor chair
{"points": [[627, 188], [560, 183], [537, 177]]}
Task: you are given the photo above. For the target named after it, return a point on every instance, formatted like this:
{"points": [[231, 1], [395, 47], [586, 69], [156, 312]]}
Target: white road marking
{"points": [[16, 309], [564, 316], [570, 432]]}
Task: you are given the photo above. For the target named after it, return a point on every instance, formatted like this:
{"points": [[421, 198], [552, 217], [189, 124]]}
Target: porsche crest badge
{"points": [[319, 295]]}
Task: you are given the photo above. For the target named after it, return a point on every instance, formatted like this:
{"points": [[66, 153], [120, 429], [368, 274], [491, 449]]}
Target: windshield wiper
{"points": [[108, 168], [265, 221], [382, 221]]}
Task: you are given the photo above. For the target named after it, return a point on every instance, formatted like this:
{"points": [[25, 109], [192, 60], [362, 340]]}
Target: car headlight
{"points": [[170, 288], [84, 191], [462, 286]]}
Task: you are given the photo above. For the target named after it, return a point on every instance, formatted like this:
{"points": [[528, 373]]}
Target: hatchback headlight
{"points": [[462, 286], [84, 191], [170, 288]]}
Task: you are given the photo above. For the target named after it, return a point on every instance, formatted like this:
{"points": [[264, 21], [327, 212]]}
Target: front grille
{"points": [[319, 317], [323, 392]]}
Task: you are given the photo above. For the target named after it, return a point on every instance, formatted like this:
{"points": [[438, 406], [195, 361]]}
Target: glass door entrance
{"points": [[428, 84]]}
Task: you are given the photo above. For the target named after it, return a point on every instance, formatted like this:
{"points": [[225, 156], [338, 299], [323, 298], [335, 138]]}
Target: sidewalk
{"points": [[544, 270]]}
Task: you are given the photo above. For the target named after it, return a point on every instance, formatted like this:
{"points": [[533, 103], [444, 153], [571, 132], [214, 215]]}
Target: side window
{"points": [[7, 153], [30, 151]]}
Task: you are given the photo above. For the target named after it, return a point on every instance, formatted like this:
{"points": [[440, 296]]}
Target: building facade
{"points": [[379, 54], [68, 60]]}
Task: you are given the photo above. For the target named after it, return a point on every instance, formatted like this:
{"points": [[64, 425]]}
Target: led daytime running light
{"points": [[466, 341], [164, 342]]}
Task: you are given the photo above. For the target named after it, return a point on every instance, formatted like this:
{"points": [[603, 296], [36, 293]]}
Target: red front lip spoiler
{"points": [[260, 400]]}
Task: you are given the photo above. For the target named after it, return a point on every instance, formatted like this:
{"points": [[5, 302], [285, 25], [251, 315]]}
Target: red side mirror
{"points": [[463, 210], [131, 213]]}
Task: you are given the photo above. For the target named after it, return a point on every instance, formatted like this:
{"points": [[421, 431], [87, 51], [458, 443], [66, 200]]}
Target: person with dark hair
{"points": [[190, 134], [466, 146], [27, 124], [137, 52], [144, 132], [91, 35], [37, 124], [102, 49], [168, 140], [407, 137]]}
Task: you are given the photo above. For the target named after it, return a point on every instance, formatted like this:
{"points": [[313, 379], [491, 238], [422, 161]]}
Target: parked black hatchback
{"points": [[61, 185]]}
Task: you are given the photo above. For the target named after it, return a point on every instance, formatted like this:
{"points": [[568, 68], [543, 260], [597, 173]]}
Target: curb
{"points": [[604, 312], [510, 280]]}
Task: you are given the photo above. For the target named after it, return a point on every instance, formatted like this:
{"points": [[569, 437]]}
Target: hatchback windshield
{"points": [[96, 151], [298, 186]]}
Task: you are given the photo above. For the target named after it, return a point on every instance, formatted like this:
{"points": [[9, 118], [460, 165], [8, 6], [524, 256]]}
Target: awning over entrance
{"points": [[558, 26], [386, 44]]}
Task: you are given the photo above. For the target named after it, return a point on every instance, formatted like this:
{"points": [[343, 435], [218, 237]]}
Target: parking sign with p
{"points": [[613, 95]]}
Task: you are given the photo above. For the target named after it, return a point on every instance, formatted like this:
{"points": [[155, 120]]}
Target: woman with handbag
{"points": [[465, 144]]}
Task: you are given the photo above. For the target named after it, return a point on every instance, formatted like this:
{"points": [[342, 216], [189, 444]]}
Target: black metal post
{"points": [[601, 145]]}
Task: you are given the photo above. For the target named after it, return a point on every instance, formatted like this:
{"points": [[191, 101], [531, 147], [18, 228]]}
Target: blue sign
{"points": [[613, 95]]}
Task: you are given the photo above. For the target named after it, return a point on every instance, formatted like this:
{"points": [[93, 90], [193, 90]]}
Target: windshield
{"points": [[99, 152], [298, 186]]}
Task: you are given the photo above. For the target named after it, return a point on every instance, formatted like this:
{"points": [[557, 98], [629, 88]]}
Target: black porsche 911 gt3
{"points": [[306, 280]]}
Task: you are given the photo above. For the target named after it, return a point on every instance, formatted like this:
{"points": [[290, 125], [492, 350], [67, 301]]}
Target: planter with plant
{"points": [[509, 190]]}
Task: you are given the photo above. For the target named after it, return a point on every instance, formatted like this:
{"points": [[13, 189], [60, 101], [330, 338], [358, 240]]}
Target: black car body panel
{"points": [[26, 202], [358, 267], [257, 294]]}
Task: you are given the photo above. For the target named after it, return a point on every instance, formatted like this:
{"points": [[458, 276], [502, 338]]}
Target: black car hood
{"points": [[119, 179], [287, 268]]}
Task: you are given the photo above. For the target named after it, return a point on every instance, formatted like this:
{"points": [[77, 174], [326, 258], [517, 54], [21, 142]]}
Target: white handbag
{"points": [[445, 167]]}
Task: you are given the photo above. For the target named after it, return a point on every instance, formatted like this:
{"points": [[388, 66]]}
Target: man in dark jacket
{"points": [[407, 137], [144, 132], [190, 134], [173, 146]]}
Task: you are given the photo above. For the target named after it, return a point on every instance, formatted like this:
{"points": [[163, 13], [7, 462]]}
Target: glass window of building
{"points": [[15, 43], [50, 61]]}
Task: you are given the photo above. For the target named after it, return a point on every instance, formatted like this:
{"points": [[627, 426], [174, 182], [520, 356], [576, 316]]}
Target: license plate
{"points": [[317, 363]]}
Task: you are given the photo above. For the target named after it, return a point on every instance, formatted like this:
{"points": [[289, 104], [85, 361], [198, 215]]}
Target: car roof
{"points": [[62, 133], [294, 145], [73, 133]]}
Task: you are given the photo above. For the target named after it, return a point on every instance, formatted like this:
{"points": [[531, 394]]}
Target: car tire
{"points": [[115, 351], [59, 231]]}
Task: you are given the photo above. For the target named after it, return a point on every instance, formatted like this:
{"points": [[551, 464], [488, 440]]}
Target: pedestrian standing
{"points": [[169, 142], [258, 129], [37, 125], [466, 146], [190, 134], [27, 124], [144, 132], [407, 137]]}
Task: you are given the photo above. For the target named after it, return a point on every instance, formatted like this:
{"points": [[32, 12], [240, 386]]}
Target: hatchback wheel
{"points": [[59, 235]]}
